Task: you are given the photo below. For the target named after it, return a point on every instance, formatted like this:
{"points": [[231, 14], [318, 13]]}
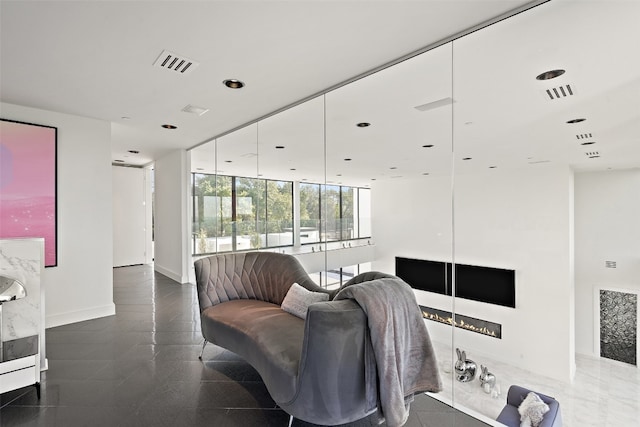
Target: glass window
{"points": [[309, 213], [279, 213], [330, 211], [348, 212], [250, 212], [236, 213]]}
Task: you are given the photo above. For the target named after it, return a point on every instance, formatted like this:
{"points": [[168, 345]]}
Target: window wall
{"points": [[237, 213]]}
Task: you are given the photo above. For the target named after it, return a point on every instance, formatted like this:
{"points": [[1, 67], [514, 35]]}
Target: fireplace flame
{"points": [[460, 323]]}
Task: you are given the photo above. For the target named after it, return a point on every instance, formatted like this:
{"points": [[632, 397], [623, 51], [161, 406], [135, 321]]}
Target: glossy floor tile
{"points": [[141, 368]]}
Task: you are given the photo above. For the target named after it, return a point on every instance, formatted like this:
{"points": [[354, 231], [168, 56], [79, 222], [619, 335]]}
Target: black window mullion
{"points": [[266, 213]]}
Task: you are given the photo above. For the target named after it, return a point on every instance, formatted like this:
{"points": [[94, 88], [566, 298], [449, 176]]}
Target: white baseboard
{"points": [[80, 315], [171, 274]]}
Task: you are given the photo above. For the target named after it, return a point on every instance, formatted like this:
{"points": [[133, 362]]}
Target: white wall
{"points": [[81, 286], [172, 223], [129, 216], [607, 229], [519, 220]]}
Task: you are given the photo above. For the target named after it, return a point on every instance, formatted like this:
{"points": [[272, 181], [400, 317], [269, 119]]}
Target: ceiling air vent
{"points": [[584, 136], [171, 61], [560, 92], [592, 154]]}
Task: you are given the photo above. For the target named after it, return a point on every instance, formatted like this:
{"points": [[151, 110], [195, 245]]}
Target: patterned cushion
{"points": [[532, 410]]}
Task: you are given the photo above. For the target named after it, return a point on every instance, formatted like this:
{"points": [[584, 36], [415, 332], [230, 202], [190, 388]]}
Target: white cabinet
{"points": [[20, 373]]}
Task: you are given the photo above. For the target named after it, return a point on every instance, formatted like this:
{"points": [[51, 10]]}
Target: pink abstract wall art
{"points": [[28, 184]]}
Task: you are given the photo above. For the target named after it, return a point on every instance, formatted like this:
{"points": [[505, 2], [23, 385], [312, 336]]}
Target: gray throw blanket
{"points": [[405, 359]]}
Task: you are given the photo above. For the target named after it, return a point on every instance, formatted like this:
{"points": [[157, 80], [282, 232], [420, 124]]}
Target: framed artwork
{"points": [[28, 184]]}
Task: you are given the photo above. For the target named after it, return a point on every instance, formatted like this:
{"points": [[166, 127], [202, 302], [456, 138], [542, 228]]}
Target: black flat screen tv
{"points": [[430, 276], [473, 282], [486, 284]]}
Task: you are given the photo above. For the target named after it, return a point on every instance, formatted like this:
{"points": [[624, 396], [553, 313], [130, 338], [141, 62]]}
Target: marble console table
{"points": [[22, 324]]}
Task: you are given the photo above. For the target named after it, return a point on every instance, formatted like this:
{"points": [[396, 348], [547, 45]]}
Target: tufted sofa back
{"points": [[264, 276]]}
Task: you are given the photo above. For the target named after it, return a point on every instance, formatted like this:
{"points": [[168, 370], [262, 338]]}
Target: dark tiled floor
{"points": [[141, 368]]}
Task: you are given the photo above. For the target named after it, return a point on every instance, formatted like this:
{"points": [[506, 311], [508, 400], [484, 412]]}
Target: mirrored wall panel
{"points": [[545, 153], [389, 144]]}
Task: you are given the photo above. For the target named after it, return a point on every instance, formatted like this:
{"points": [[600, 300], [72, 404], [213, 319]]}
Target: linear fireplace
{"points": [[461, 321]]}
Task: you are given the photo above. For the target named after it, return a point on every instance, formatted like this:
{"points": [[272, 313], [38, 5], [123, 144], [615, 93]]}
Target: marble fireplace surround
{"points": [[597, 317]]}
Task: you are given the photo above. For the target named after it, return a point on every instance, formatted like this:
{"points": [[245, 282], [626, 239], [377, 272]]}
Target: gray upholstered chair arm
{"points": [[516, 395], [335, 355]]}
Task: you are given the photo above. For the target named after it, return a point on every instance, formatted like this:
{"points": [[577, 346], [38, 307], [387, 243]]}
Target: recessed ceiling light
{"points": [[575, 121], [134, 151], [588, 143], [363, 125], [169, 127], [347, 160], [373, 179], [279, 147], [425, 173], [259, 174], [466, 158], [338, 174], [548, 75], [228, 161], [199, 169], [427, 146], [233, 84], [292, 169], [119, 161], [492, 167], [393, 167], [126, 118]]}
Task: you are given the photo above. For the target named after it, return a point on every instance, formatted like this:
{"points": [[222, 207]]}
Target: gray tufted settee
{"points": [[313, 368]]}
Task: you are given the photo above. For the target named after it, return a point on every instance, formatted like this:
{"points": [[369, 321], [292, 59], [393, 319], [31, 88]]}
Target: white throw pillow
{"points": [[298, 300], [532, 410]]}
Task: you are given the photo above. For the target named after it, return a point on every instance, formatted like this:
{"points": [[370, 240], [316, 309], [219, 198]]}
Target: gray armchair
{"points": [[511, 417]]}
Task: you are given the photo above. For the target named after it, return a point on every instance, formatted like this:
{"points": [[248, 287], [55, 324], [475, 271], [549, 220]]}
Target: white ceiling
{"points": [[95, 58]]}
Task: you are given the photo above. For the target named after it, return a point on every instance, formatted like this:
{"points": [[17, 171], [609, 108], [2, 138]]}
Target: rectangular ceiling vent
{"points": [[172, 62], [434, 104], [560, 92], [584, 136], [592, 154]]}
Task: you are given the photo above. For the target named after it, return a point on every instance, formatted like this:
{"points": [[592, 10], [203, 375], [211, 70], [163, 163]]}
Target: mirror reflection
{"points": [[544, 163], [504, 164]]}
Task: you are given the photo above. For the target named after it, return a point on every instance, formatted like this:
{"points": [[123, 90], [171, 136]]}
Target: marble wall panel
{"points": [[21, 259]]}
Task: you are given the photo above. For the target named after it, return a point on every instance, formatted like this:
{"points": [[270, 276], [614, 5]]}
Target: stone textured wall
{"points": [[618, 326]]}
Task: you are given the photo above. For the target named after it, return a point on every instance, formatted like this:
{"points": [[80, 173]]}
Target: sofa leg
{"points": [[290, 420], [202, 351]]}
